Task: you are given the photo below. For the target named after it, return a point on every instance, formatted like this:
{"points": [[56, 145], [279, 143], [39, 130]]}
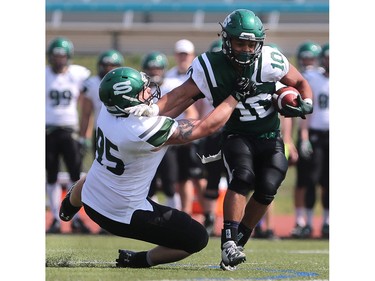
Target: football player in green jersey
{"points": [[252, 147]]}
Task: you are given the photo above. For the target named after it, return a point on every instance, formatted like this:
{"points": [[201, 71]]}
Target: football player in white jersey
{"points": [[90, 103], [191, 181], [308, 54], [252, 148], [63, 85], [313, 144], [155, 65], [129, 150]]}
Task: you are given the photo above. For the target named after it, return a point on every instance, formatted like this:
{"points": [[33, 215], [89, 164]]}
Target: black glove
{"points": [[243, 88], [301, 110]]}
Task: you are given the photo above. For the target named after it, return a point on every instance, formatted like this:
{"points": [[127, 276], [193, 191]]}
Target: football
{"points": [[284, 96]]}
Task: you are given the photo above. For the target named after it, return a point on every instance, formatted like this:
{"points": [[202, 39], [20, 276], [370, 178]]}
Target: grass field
{"points": [[92, 258]]}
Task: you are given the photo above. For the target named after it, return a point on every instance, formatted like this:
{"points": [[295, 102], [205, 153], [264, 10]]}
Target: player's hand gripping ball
{"points": [[283, 96]]}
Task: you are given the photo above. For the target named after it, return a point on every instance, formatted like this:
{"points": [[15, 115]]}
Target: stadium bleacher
{"points": [[157, 24]]}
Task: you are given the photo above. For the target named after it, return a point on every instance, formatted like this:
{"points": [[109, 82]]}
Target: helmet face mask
{"points": [[243, 25], [121, 88]]}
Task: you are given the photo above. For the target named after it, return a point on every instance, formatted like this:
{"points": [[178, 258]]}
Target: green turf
{"points": [[92, 257]]}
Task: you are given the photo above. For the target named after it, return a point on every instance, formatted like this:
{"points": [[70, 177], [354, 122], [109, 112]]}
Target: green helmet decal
{"points": [[242, 24], [120, 88], [61, 46], [155, 59]]}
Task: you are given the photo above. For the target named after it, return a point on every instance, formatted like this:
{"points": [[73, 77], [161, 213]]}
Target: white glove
{"points": [[306, 149], [143, 110]]}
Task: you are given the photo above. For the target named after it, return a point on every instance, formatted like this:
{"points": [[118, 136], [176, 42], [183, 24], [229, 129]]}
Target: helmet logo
{"points": [[122, 88], [247, 36]]}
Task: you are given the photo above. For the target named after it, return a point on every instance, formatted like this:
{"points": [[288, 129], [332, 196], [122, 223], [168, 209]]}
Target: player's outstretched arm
{"points": [[189, 130]]}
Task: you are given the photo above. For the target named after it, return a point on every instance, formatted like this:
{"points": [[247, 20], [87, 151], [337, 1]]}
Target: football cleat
{"points": [[55, 227], [231, 255], [302, 232], [125, 258], [209, 224], [79, 227], [227, 267], [325, 231]]}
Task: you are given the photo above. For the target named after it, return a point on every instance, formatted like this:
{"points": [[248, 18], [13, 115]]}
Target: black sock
{"points": [[229, 232], [243, 234]]}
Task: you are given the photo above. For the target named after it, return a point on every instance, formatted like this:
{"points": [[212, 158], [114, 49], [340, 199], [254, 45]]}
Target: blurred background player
{"points": [[155, 64], [313, 164], [308, 60], [63, 84], [90, 102], [191, 181], [308, 55]]}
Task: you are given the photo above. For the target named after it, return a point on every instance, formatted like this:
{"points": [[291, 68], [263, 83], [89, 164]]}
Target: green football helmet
{"points": [[109, 57], [308, 54], [325, 50], [120, 88], [216, 46], [155, 64], [324, 57], [308, 50], [61, 46], [242, 24], [155, 59]]}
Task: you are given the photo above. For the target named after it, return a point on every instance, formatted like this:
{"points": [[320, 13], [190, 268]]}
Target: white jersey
{"points": [[319, 83], [173, 73], [119, 179], [174, 79], [91, 86], [62, 93]]}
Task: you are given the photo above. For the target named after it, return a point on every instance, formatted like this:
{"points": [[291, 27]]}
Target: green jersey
{"points": [[215, 76]]}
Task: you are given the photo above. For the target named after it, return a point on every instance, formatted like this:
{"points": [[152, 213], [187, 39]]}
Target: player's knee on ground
{"points": [[200, 239], [242, 181], [184, 232]]}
